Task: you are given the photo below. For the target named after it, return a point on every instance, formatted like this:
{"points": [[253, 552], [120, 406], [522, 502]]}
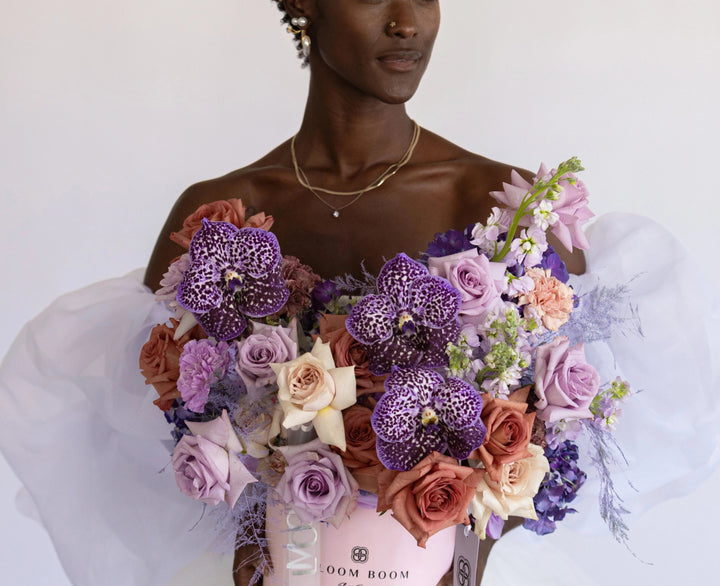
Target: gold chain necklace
{"points": [[356, 195]]}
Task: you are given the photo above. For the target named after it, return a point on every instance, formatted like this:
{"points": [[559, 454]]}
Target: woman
{"points": [[440, 187]]}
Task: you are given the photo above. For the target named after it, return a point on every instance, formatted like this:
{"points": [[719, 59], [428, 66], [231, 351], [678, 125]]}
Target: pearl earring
{"points": [[298, 25]]}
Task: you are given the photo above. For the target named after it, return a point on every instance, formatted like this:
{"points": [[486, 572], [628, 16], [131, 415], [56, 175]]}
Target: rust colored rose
{"points": [[551, 299], [347, 352], [160, 361], [432, 496], [232, 211], [509, 430], [360, 456]]}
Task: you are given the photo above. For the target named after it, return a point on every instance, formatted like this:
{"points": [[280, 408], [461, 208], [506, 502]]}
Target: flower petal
{"points": [[210, 241], [223, 322], [295, 416], [420, 382], [395, 417], [434, 300], [397, 276], [198, 291], [345, 387], [406, 454], [254, 251], [329, 427], [371, 320], [458, 404], [259, 297]]}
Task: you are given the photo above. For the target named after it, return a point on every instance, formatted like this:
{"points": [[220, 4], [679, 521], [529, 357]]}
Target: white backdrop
{"points": [[108, 110]]}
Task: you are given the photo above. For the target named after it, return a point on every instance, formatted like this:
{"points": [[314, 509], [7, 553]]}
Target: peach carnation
{"points": [[551, 299]]}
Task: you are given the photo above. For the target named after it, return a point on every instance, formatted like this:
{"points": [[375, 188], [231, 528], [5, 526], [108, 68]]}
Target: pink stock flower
{"points": [[570, 204], [550, 299]]}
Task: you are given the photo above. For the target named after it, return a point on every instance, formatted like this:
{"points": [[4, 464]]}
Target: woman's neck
{"points": [[346, 135]]}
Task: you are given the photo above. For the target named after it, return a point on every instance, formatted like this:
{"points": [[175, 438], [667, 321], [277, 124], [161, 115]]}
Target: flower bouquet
{"points": [[447, 390]]}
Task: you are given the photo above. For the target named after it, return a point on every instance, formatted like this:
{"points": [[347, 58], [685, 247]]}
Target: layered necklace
{"points": [[356, 195]]}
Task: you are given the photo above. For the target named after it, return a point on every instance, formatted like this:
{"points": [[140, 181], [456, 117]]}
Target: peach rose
{"points": [[360, 456], [311, 388], [348, 352], [160, 362], [509, 429], [432, 496], [551, 299], [232, 211]]}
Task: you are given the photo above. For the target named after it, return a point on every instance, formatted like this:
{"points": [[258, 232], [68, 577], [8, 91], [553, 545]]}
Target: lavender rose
{"points": [[316, 484], [207, 466], [480, 282], [565, 383], [267, 344]]}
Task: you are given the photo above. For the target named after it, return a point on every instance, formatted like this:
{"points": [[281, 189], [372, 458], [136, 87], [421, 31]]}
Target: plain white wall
{"points": [[108, 110]]}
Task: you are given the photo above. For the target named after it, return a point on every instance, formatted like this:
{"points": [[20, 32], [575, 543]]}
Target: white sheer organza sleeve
{"points": [[78, 426]]}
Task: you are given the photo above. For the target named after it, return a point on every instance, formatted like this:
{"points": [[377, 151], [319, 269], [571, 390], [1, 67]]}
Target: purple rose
{"points": [[207, 466], [480, 282], [565, 383], [266, 345], [316, 484]]}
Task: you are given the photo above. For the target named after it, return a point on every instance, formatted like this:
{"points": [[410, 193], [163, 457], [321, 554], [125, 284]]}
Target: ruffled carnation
{"points": [[202, 363], [550, 299]]}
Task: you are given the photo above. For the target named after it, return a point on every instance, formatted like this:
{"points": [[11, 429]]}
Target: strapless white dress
{"points": [[78, 426]]}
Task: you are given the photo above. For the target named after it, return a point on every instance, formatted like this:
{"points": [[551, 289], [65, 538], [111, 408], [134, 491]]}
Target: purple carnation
{"points": [[202, 363], [411, 319], [421, 413]]}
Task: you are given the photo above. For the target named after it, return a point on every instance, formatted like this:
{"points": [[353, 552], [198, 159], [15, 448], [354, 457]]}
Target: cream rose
{"points": [[513, 494], [310, 388]]}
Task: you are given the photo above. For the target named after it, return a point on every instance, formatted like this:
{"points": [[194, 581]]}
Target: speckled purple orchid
{"points": [[411, 319], [420, 413], [234, 272]]}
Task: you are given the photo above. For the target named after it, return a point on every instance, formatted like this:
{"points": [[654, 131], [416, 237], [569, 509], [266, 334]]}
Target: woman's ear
{"points": [[296, 8]]}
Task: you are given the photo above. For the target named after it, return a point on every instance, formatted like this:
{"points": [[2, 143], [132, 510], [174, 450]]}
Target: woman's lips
{"points": [[400, 60]]}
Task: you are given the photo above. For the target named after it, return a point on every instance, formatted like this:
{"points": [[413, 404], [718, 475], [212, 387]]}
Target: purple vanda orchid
{"points": [[420, 413], [233, 273], [410, 320]]}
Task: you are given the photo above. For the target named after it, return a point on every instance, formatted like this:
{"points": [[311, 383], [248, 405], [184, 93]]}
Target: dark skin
{"points": [[362, 72]]}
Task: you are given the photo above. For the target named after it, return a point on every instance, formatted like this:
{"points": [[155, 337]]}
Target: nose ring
{"points": [[392, 24]]}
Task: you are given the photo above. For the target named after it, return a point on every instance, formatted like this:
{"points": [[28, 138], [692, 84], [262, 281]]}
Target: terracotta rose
{"points": [[232, 211], [509, 430], [160, 361], [430, 497], [360, 456]]}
